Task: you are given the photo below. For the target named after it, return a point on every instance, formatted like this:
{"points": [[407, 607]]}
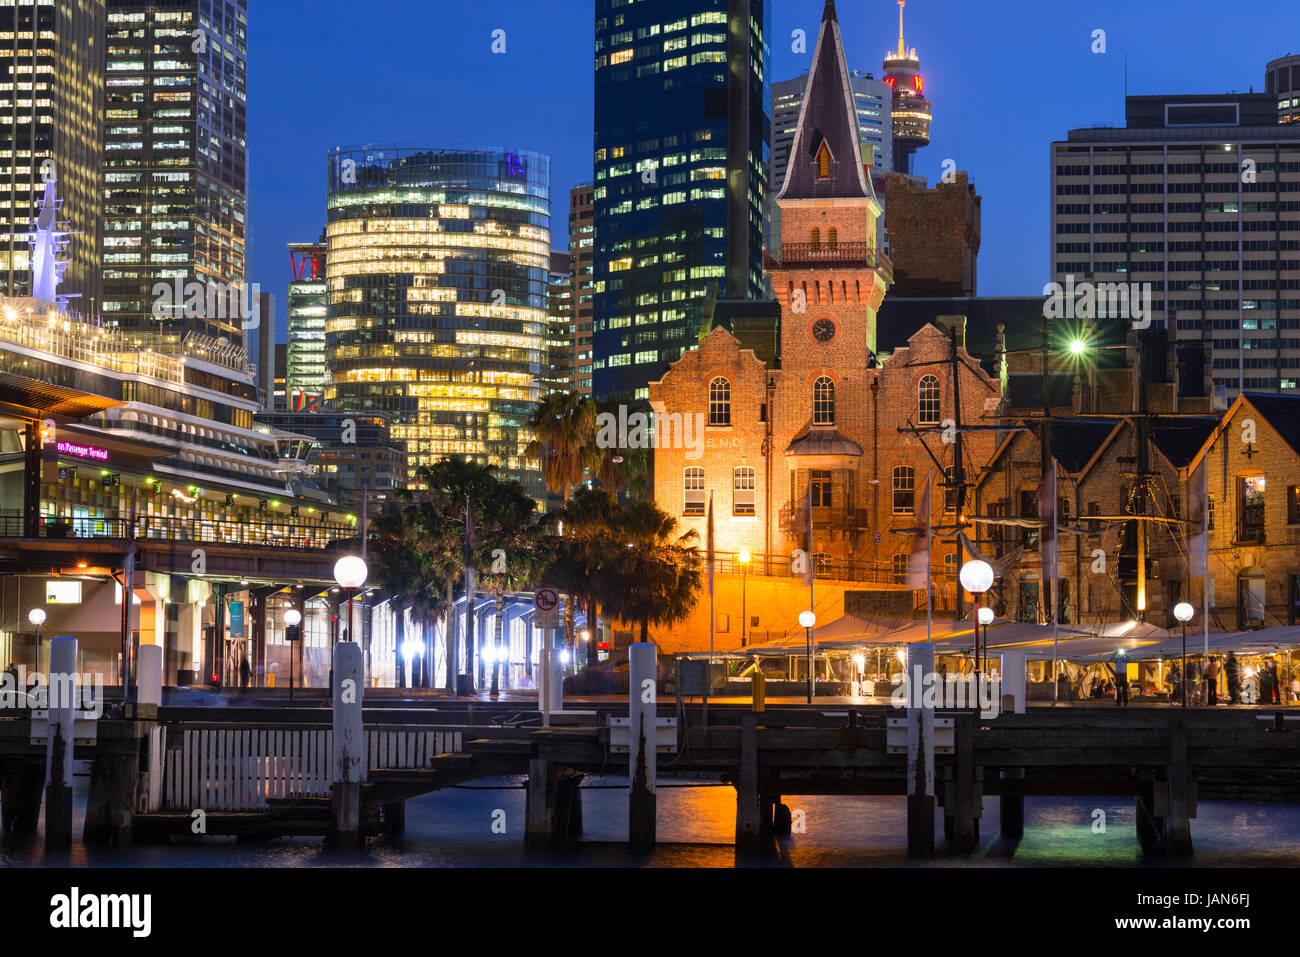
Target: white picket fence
{"points": [[241, 769]]}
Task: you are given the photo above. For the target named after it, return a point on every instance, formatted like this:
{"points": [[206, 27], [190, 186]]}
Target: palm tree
{"points": [[589, 519], [654, 577], [563, 425], [615, 467]]}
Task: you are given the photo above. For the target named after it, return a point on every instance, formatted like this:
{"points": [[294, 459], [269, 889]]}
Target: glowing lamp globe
{"points": [[292, 617], [986, 616], [350, 571], [1184, 612], [976, 577], [807, 619], [36, 616]]}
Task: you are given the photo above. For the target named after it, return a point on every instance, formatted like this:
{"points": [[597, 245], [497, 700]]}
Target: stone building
{"points": [[934, 237], [826, 423]]}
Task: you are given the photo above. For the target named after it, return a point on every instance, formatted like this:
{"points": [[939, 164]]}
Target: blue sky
{"points": [[1007, 77]]}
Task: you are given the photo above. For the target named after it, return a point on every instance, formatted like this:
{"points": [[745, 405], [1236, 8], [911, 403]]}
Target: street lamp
{"points": [[37, 617], [986, 618], [1183, 611], [350, 572], [743, 558], [977, 578], [807, 619], [292, 635]]}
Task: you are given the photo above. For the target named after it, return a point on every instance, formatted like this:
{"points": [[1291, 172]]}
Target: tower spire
{"points": [[902, 50]]}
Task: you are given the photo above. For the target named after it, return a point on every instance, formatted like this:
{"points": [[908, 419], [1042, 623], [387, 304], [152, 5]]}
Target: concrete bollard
{"points": [[349, 743], [643, 711], [556, 683], [544, 683], [62, 702], [1013, 678], [149, 667]]}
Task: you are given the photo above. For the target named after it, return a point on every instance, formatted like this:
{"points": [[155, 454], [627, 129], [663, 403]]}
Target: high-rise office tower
{"points": [[307, 308], [436, 273], [582, 247], [1282, 79], [174, 169], [1196, 202], [51, 123], [681, 158], [912, 112], [873, 103], [559, 336]]}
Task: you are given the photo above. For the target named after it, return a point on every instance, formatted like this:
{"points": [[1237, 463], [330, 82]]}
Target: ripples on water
{"points": [[696, 828]]}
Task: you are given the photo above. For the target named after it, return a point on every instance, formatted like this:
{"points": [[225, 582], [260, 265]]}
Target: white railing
{"points": [[243, 769]]}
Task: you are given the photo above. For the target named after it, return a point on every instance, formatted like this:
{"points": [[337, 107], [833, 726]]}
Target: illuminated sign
{"points": [[918, 83], [83, 451], [63, 592]]}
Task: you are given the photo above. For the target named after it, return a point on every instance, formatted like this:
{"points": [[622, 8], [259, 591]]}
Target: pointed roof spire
{"points": [[826, 155], [902, 50]]}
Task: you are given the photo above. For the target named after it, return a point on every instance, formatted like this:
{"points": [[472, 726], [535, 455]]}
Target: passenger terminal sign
{"points": [[547, 603]]}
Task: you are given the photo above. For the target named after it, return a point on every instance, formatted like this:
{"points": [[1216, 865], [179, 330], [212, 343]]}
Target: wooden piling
{"points": [[63, 700], [968, 800], [539, 805], [748, 830], [1178, 829], [110, 806], [1011, 807]]}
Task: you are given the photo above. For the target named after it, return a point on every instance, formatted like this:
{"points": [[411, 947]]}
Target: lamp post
{"points": [[292, 635], [37, 617], [807, 619], [1183, 611], [986, 619], [350, 572], [743, 558], [977, 578]]}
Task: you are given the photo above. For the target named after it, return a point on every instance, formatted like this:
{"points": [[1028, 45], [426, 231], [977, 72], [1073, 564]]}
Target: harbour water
{"points": [[481, 825]]}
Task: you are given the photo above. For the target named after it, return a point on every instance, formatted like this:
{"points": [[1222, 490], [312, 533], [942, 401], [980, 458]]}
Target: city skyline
{"points": [[959, 48]]}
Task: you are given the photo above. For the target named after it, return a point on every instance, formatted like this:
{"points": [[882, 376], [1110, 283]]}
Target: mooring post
{"points": [[62, 694], [920, 752], [966, 811], [643, 714], [1178, 829], [149, 668], [748, 828], [539, 805], [349, 743], [1011, 807]]}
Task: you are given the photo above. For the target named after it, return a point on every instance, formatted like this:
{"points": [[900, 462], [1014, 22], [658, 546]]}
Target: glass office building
{"points": [[682, 132], [436, 273], [175, 164], [308, 304]]}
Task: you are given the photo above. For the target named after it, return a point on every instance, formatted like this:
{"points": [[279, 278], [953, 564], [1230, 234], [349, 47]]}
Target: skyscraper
{"points": [[582, 247], [1282, 79], [175, 167], [436, 274], [51, 126], [911, 110], [308, 306], [1193, 201], [681, 156], [559, 336]]}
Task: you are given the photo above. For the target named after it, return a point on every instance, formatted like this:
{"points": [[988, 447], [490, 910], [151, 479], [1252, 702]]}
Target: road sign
{"points": [[547, 603]]}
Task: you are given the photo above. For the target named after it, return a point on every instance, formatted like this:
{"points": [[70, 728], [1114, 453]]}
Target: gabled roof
{"points": [[1179, 440], [1281, 413], [828, 116], [1074, 443]]}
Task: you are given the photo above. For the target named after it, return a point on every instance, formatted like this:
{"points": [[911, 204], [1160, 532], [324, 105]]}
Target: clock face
{"points": [[823, 330]]}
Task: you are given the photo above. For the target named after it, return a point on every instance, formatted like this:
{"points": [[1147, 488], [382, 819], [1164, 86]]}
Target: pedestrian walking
{"points": [[1274, 683], [1232, 671], [245, 673], [1212, 681]]}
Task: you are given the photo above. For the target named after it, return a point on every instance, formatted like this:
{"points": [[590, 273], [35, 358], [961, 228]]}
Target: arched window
{"points": [[720, 402], [904, 490], [693, 491], [832, 237], [816, 238], [824, 162], [902, 562], [930, 400], [823, 401]]}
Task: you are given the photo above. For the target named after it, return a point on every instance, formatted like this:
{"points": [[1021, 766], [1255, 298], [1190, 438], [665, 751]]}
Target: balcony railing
{"points": [[848, 255], [272, 534], [780, 566], [794, 517]]}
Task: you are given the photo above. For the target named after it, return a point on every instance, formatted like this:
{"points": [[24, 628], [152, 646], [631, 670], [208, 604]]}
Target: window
{"points": [[904, 490], [1250, 602], [930, 400], [824, 162], [720, 402], [1250, 507], [901, 562], [816, 238], [742, 491], [823, 565], [693, 491], [1029, 509], [821, 488], [832, 237], [1293, 505], [824, 401]]}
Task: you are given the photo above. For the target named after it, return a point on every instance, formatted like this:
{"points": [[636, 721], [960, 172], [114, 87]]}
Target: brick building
{"points": [[820, 423], [934, 237]]}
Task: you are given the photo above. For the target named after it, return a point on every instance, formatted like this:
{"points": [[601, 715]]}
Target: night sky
{"points": [[1007, 77]]}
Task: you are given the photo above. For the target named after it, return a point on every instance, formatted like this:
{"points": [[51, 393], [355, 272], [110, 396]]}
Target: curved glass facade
{"points": [[437, 270]]}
